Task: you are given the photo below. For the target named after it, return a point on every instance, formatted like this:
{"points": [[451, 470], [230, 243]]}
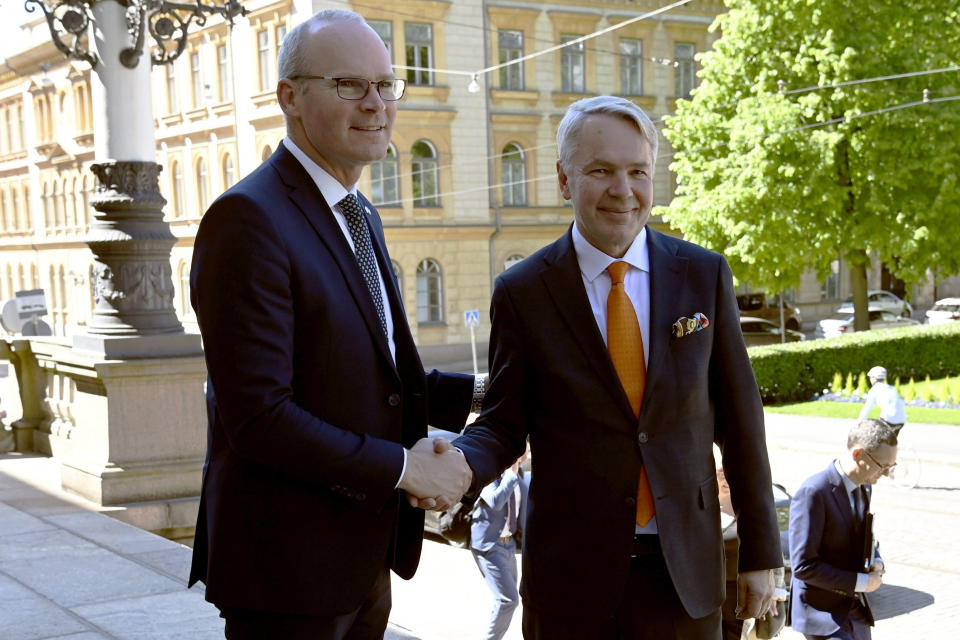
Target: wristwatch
{"points": [[479, 390]]}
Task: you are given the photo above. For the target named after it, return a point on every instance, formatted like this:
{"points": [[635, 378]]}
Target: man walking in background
{"points": [[835, 563], [886, 397]]}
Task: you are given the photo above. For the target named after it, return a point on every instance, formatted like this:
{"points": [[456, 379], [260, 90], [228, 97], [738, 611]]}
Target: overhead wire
{"points": [[666, 155]]}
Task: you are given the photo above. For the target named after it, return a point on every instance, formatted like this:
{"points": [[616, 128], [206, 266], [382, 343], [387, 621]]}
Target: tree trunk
{"points": [[857, 260]]}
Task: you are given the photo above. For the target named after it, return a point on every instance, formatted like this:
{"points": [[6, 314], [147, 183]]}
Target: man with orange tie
{"points": [[618, 351]]}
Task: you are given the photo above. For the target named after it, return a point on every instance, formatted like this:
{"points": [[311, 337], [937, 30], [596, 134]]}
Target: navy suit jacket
{"points": [[310, 413], [552, 378], [826, 545]]}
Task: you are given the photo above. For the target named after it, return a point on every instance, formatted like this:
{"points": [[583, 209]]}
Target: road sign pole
{"points": [[473, 345]]}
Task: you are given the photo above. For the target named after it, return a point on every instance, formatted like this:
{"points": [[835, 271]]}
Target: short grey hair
{"points": [[871, 433], [291, 60], [613, 105]]}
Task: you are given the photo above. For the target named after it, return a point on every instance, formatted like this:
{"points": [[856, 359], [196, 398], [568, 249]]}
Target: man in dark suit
{"points": [[320, 404], [623, 536], [828, 526]]}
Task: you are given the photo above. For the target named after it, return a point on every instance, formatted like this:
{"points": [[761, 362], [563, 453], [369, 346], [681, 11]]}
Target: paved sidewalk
{"points": [[68, 572]]}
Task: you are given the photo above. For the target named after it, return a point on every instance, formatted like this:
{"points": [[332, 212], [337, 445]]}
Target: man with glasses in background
{"points": [[319, 404], [835, 563]]}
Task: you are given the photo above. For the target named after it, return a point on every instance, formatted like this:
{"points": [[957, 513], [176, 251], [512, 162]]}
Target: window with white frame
{"points": [[172, 104], [513, 176], [196, 79], [419, 44], [225, 84], [631, 66], [203, 186], [264, 59], [229, 175], [685, 68], [424, 168], [510, 44], [384, 29], [572, 66], [429, 291], [176, 174], [384, 179]]}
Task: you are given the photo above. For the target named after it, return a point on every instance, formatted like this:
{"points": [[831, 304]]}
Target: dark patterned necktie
{"points": [[360, 233]]}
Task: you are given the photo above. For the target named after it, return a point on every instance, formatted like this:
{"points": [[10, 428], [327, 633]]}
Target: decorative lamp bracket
{"points": [[167, 23]]}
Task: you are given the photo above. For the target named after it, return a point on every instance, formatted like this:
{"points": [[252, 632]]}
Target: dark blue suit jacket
{"points": [[299, 512], [552, 378], [826, 545]]}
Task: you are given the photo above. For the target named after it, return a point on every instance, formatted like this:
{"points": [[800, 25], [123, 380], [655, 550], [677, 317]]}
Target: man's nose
{"points": [[372, 100], [619, 185]]}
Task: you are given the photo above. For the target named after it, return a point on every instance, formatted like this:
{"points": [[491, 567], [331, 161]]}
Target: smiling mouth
{"points": [[374, 128]]}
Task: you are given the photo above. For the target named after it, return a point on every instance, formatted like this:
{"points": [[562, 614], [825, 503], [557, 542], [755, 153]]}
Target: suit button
{"points": [[630, 502], [642, 437], [393, 399]]}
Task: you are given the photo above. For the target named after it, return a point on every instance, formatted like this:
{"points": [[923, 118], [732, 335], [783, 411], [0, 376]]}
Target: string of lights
{"points": [[670, 154]]}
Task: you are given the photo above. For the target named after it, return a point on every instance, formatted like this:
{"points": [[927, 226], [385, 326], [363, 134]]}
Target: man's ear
{"points": [[562, 180], [286, 97]]}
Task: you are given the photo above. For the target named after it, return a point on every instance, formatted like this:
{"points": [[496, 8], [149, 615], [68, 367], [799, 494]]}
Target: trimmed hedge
{"points": [[799, 371]]}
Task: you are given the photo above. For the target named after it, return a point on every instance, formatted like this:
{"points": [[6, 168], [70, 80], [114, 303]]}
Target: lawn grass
{"points": [[852, 410]]}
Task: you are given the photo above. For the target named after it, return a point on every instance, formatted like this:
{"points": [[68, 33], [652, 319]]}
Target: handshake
{"points": [[437, 475]]}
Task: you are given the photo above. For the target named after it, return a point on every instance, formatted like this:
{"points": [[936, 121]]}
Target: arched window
{"points": [[47, 207], [229, 176], [267, 151], [176, 175], [512, 260], [10, 289], [203, 186], [425, 191], [384, 180], [398, 274], [184, 274], [15, 212], [513, 176], [57, 205], [4, 207], [34, 277], [429, 291], [27, 222], [87, 194]]}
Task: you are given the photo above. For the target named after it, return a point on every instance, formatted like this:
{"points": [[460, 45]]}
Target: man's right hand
{"points": [[874, 578], [437, 475]]}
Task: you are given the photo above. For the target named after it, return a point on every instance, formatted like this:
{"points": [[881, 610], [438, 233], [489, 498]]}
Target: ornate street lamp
{"points": [[132, 280]]}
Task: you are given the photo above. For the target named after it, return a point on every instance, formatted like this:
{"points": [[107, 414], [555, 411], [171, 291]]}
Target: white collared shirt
{"points": [[593, 269], [850, 487], [333, 192]]}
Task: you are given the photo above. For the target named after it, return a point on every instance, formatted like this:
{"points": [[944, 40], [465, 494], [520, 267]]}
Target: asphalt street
{"points": [[917, 529]]}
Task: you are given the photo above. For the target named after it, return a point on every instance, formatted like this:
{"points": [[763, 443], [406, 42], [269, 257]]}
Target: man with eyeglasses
{"points": [[318, 402], [833, 568]]}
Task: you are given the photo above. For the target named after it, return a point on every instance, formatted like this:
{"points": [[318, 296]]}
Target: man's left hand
{"points": [[755, 594]]}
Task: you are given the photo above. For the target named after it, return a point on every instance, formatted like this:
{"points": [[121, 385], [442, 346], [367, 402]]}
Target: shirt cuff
{"points": [[862, 579], [403, 470]]}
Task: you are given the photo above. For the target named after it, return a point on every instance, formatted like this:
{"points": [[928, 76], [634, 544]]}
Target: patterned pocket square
{"points": [[684, 326]]}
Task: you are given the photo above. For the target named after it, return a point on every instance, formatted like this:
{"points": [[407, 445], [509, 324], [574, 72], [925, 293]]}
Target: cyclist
{"points": [[892, 410]]}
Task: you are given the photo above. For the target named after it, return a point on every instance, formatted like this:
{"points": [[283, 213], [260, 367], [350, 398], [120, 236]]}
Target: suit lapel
{"points": [[841, 498], [667, 276], [307, 198], [564, 283]]}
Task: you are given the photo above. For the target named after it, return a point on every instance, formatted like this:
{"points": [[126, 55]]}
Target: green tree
{"points": [[782, 177]]}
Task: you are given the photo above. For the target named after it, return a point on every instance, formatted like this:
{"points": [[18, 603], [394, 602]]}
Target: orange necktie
{"points": [[625, 344]]}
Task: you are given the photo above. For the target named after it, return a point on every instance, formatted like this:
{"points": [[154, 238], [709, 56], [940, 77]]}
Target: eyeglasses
{"points": [[884, 468], [357, 88]]}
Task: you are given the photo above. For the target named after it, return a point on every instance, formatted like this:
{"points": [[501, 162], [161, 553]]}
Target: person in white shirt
{"points": [[885, 396]]}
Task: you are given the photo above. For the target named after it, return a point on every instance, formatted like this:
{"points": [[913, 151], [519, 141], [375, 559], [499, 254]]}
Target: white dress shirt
{"points": [[593, 269], [852, 486], [891, 404]]}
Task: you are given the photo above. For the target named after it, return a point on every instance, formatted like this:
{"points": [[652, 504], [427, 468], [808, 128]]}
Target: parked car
{"points": [[757, 331], [841, 322], [945, 310], [877, 299], [758, 305]]}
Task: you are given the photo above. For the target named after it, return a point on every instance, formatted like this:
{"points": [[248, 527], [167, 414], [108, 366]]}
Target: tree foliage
{"points": [[783, 163]]}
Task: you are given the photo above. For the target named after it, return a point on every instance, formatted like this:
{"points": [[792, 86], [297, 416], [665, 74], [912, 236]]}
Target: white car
{"points": [[946, 310], [877, 299], [841, 323]]}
